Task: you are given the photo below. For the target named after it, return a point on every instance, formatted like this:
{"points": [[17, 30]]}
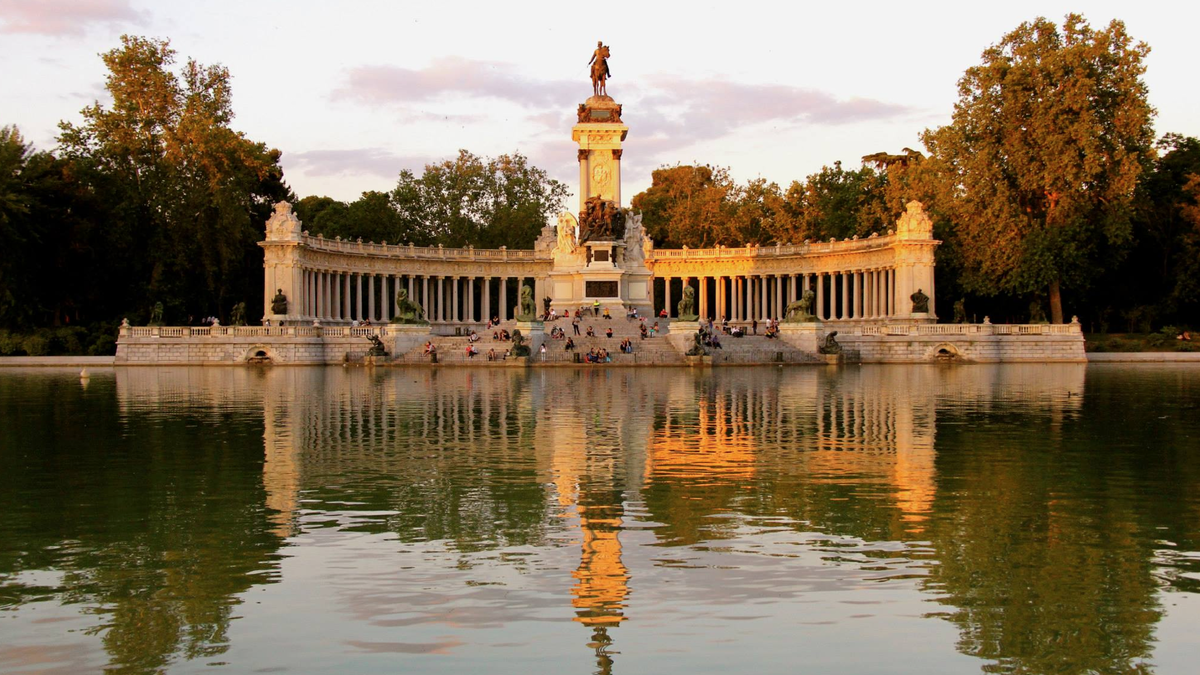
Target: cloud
{"points": [[65, 17], [354, 162], [676, 112], [384, 85]]}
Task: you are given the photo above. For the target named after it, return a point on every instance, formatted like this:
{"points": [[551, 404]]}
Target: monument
{"points": [[322, 296], [600, 255]]}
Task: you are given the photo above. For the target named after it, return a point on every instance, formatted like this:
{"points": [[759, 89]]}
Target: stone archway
{"points": [[259, 355], [944, 351]]}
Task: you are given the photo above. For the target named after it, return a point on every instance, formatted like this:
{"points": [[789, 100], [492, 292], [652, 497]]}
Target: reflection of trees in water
{"points": [[1046, 530], [159, 535], [1042, 528]]}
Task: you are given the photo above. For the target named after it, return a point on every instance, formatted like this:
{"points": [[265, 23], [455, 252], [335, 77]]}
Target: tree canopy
{"points": [[466, 201], [1040, 163]]}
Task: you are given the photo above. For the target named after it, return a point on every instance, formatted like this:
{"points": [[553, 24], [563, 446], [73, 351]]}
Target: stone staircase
{"points": [[758, 349], [651, 351], [753, 349]]}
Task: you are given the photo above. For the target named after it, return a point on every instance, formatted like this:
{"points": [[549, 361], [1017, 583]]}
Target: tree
{"points": [[1041, 160], [689, 206], [837, 203], [477, 201], [186, 192]]}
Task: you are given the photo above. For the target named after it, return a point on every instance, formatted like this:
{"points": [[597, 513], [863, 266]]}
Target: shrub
{"points": [[36, 345]]}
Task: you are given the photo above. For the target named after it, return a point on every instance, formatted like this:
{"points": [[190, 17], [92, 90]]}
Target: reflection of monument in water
{"points": [[850, 452]]}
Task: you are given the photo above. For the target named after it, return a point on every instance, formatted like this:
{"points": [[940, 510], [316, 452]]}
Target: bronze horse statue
{"points": [[600, 72]]}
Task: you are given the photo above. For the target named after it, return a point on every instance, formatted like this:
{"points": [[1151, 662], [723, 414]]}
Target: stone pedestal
{"points": [[682, 335], [402, 337], [802, 336]]}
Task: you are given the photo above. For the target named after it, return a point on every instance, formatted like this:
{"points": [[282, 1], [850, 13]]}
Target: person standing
{"points": [[575, 324]]}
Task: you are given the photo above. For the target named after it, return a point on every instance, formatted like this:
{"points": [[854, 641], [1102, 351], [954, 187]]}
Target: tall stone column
{"points": [[486, 308], [323, 296], [412, 284], [779, 293], [336, 279], [358, 303], [703, 297], [856, 311], [440, 309], [470, 300], [387, 299], [425, 295], [667, 297], [371, 298], [762, 297], [821, 296], [504, 298]]}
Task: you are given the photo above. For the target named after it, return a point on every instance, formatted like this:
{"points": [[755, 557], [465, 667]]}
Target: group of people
{"points": [[771, 328]]}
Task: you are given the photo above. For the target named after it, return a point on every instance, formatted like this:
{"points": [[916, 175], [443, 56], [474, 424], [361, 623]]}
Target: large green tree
{"points": [[688, 205], [1042, 158], [185, 190], [467, 201], [479, 201]]}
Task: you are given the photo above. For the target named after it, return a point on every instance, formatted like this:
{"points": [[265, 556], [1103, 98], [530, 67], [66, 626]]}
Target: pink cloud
{"points": [[64, 17], [382, 85], [354, 161]]}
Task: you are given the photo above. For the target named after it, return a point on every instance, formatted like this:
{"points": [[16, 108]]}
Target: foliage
{"points": [[1039, 165], [188, 195], [467, 201], [701, 206]]}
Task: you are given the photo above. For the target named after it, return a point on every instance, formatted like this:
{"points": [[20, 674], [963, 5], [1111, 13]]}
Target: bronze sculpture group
{"points": [[601, 220]]}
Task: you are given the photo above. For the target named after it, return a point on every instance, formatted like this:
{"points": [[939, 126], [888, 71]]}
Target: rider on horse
{"points": [[600, 73]]}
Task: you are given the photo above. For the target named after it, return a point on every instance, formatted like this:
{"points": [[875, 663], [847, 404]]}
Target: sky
{"points": [[353, 92]]}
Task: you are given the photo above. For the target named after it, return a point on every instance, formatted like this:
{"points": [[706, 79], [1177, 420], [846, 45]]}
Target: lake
{"points": [[1040, 518]]}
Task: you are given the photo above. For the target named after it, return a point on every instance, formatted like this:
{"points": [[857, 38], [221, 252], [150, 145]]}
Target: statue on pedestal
{"points": [[830, 345], [527, 310], [518, 341], [960, 310], [697, 348], [687, 306], [1036, 313], [377, 348], [407, 311], [920, 302], [279, 304], [601, 220], [600, 72], [800, 311]]}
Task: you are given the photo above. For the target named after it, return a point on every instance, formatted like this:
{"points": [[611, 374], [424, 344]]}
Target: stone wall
{"points": [[287, 346], [963, 348]]}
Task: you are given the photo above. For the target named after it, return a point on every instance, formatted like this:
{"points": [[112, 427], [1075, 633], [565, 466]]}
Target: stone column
{"points": [[371, 313], [470, 300], [667, 296], [440, 310], [336, 296], [412, 287], [486, 306], [425, 295], [821, 296], [358, 304], [504, 298], [856, 310], [703, 297], [454, 315], [387, 299], [845, 295], [780, 287], [762, 297]]}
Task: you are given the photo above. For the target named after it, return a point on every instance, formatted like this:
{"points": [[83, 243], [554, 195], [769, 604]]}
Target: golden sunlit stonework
{"points": [[326, 297]]}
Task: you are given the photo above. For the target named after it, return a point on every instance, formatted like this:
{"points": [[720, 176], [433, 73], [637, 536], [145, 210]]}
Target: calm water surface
{"points": [[891, 519]]}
